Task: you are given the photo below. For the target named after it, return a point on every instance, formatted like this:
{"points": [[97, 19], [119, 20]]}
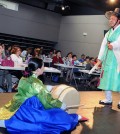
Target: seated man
{"points": [[94, 79], [82, 58]]}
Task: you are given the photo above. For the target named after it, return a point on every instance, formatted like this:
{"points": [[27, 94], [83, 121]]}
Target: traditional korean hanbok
{"points": [[33, 111], [110, 77]]}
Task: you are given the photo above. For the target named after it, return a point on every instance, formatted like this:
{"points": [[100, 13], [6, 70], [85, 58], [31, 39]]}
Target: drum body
{"points": [[69, 95]]}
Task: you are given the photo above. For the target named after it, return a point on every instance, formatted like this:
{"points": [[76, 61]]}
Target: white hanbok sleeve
{"points": [[102, 48], [116, 44], [116, 50]]}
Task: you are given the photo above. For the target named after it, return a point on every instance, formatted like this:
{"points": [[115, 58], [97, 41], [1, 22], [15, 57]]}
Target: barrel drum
{"points": [[69, 95]]}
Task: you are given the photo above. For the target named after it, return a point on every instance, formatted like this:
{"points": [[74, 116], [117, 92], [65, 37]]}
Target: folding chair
{"points": [[81, 78]]}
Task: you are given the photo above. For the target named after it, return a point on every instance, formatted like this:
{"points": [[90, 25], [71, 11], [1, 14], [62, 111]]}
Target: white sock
{"points": [[2, 123], [79, 117], [108, 95], [49, 87]]}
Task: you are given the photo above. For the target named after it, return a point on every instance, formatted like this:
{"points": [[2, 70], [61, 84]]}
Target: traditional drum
{"points": [[69, 95]]}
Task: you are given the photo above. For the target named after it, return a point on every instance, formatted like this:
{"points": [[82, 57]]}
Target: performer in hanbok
{"points": [[33, 110], [109, 56]]}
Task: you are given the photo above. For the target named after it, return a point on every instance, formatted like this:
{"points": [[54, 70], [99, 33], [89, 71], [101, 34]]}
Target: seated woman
{"points": [[68, 62], [57, 58], [15, 56], [4, 74], [33, 110]]}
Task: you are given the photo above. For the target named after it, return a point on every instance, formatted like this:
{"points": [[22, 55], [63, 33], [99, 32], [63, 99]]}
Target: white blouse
{"points": [[17, 60]]}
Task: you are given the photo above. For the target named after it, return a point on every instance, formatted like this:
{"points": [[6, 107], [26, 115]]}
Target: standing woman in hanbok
{"points": [[109, 56], [33, 110]]}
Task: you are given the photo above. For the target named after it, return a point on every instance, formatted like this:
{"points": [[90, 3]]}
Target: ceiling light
{"points": [[112, 1], [63, 8]]}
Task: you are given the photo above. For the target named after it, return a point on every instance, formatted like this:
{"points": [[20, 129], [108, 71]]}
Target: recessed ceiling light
{"points": [[112, 1], [63, 8]]}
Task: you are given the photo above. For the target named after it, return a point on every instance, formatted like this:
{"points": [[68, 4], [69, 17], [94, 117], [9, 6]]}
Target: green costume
{"points": [[110, 80], [27, 88]]}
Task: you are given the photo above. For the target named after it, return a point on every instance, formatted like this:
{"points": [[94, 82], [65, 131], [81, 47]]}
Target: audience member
{"points": [[15, 56], [4, 74], [50, 55], [36, 53], [82, 58], [87, 60], [74, 60], [90, 65], [8, 51], [57, 58]]}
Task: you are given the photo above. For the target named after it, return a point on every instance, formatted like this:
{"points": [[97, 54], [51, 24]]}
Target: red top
{"points": [[57, 60]]}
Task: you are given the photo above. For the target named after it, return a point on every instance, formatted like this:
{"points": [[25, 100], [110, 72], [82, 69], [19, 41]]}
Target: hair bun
{"points": [[27, 72]]}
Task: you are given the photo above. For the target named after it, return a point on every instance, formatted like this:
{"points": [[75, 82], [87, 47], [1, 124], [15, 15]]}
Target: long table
{"points": [[22, 68], [51, 70], [12, 68], [97, 73]]}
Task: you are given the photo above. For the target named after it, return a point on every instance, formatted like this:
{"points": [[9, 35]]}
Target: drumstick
{"points": [[74, 106]]}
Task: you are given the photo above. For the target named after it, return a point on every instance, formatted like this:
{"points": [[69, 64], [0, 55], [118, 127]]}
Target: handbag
{"points": [[7, 62]]}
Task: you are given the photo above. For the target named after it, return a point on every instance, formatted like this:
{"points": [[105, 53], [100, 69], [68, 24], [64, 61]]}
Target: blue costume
{"points": [[33, 111]]}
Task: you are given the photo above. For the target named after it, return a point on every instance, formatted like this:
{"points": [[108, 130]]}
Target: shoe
{"points": [[105, 103], [118, 106], [83, 119]]}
